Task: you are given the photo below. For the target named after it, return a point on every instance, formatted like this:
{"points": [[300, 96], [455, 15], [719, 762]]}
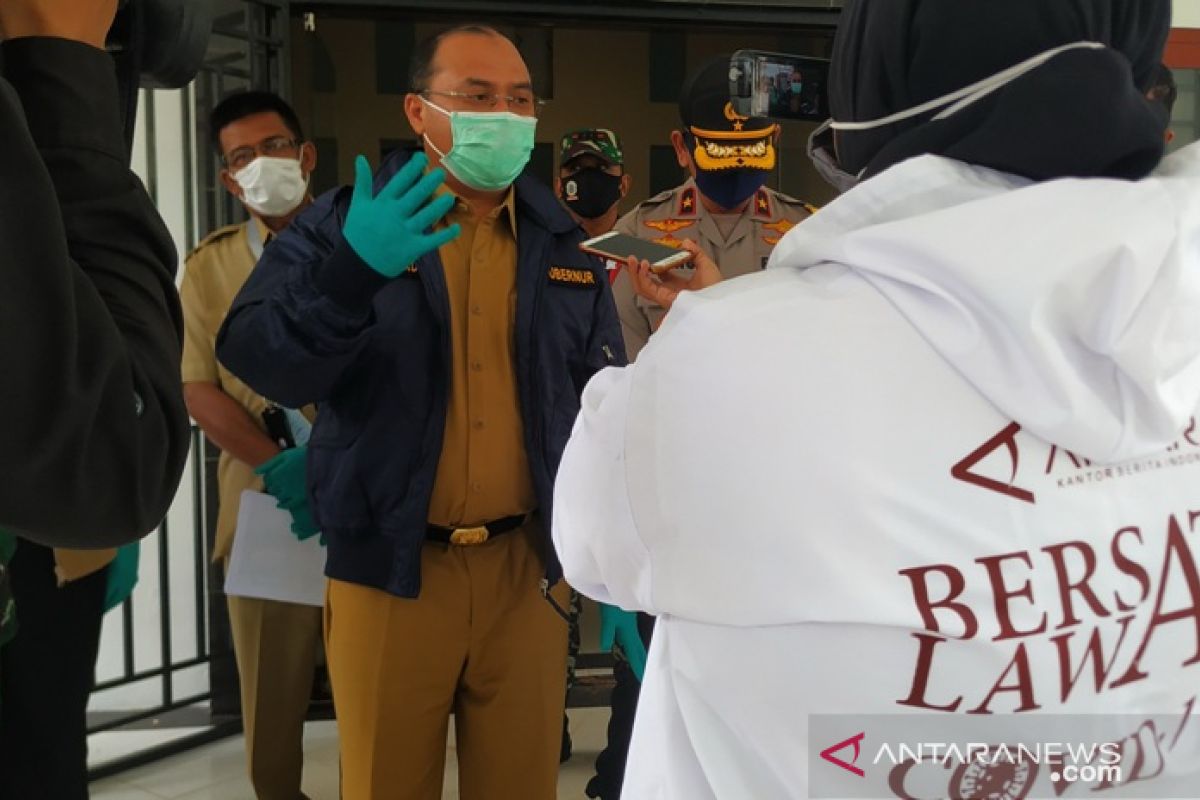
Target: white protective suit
{"points": [[941, 457]]}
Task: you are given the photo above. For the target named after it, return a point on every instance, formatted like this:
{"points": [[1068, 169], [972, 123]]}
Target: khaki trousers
{"points": [[480, 642], [276, 646]]}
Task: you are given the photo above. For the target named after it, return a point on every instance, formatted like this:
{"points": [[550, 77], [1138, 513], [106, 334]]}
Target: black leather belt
{"points": [[477, 535]]}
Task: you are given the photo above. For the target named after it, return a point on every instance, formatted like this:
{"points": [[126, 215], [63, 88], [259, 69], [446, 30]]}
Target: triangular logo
{"points": [[1006, 441], [853, 741]]}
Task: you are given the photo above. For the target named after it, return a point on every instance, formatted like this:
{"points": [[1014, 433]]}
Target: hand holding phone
{"points": [[622, 247], [664, 289]]}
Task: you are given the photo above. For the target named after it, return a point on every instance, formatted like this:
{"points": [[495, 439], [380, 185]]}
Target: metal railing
{"points": [[168, 663]]}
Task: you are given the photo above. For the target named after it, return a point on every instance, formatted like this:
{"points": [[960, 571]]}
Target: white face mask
{"points": [[272, 187], [827, 166]]}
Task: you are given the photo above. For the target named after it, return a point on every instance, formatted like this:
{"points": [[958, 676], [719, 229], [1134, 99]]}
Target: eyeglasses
{"points": [[274, 147], [525, 104]]}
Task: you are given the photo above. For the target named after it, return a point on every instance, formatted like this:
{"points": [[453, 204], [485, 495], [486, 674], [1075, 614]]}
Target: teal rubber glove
{"points": [[390, 230], [122, 576], [286, 479], [620, 626], [303, 525], [286, 476]]}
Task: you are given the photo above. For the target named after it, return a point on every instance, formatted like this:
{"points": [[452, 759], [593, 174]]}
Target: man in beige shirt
{"points": [[268, 164], [447, 336]]}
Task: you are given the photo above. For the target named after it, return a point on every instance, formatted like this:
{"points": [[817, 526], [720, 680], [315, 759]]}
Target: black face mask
{"points": [[591, 192]]}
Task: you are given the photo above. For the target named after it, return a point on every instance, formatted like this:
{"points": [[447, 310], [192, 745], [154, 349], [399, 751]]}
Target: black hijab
{"points": [[1083, 113]]}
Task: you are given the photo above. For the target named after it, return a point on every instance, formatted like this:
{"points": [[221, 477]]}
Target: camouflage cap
{"points": [[599, 142]]}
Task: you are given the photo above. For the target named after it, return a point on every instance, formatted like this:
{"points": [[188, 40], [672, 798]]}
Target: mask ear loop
{"points": [[300, 160], [425, 136]]}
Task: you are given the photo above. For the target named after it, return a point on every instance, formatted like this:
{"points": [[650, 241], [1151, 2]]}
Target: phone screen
{"points": [[779, 86], [621, 246]]}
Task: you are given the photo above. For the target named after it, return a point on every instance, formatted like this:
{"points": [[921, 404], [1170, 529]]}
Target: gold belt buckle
{"points": [[469, 536]]}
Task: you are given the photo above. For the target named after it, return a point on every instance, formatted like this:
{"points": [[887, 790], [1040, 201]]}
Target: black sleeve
{"points": [[93, 430]]}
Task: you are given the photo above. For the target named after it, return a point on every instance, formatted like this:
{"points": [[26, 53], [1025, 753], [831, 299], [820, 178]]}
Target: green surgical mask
{"points": [[489, 148]]}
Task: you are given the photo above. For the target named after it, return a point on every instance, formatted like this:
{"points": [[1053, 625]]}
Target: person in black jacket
{"points": [[93, 429], [94, 433], [446, 344]]}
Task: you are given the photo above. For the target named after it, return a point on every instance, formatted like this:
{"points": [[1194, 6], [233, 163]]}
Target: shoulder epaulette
{"points": [[218, 235], [657, 200], [762, 204], [689, 202], [787, 199]]}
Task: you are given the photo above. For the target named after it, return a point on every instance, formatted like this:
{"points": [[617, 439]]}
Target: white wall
{"points": [[1187, 14], [172, 160]]}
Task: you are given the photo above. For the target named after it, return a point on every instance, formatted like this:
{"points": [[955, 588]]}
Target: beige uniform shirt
{"points": [[483, 472], [213, 275], [677, 215]]}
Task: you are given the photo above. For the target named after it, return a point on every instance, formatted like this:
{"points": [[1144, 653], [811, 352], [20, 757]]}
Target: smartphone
{"points": [[779, 86], [278, 428], [620, 247]]}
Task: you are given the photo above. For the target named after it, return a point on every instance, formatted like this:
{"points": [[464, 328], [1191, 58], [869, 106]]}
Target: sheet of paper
{"points": [[268, 561]]}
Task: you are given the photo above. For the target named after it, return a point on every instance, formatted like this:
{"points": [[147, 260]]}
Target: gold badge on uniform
{"points": [[669, 241], [781, 227], [669, 226], [570, 276]]}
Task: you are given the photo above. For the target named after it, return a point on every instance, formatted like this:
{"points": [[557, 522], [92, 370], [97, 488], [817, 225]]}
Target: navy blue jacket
{"points": [[315, 324]]}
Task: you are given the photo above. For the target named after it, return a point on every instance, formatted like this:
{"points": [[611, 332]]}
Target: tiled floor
{"points": [[217, 771]]}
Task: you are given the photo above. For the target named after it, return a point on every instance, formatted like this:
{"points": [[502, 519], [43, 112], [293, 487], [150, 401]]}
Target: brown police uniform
{"points": [[276, 644], [677, 215]]}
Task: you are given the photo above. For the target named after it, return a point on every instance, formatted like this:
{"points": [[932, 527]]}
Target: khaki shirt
{"points": [[213, 275], [483, 472], [677, 215], [71, 565]]}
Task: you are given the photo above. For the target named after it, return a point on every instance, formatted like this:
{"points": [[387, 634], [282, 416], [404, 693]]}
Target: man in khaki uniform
{"points": [[725, 207], [276, 644]]}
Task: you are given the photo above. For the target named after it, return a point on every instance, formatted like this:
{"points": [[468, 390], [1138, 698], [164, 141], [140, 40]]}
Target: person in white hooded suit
{"points": [[970, 487]]}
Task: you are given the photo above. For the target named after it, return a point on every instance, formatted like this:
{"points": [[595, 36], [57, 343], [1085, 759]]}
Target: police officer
{"points": [[725, 206]]}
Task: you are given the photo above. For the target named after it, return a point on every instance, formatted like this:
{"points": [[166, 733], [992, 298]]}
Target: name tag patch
{"points": [[572, 277]]}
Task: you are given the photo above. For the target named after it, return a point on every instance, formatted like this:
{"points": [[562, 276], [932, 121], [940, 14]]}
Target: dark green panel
{"points": [[324, 73], [325, 176], [389, 146], [665, 172], [537, 48], [541, 164], [394, 42], [668, 65]]}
